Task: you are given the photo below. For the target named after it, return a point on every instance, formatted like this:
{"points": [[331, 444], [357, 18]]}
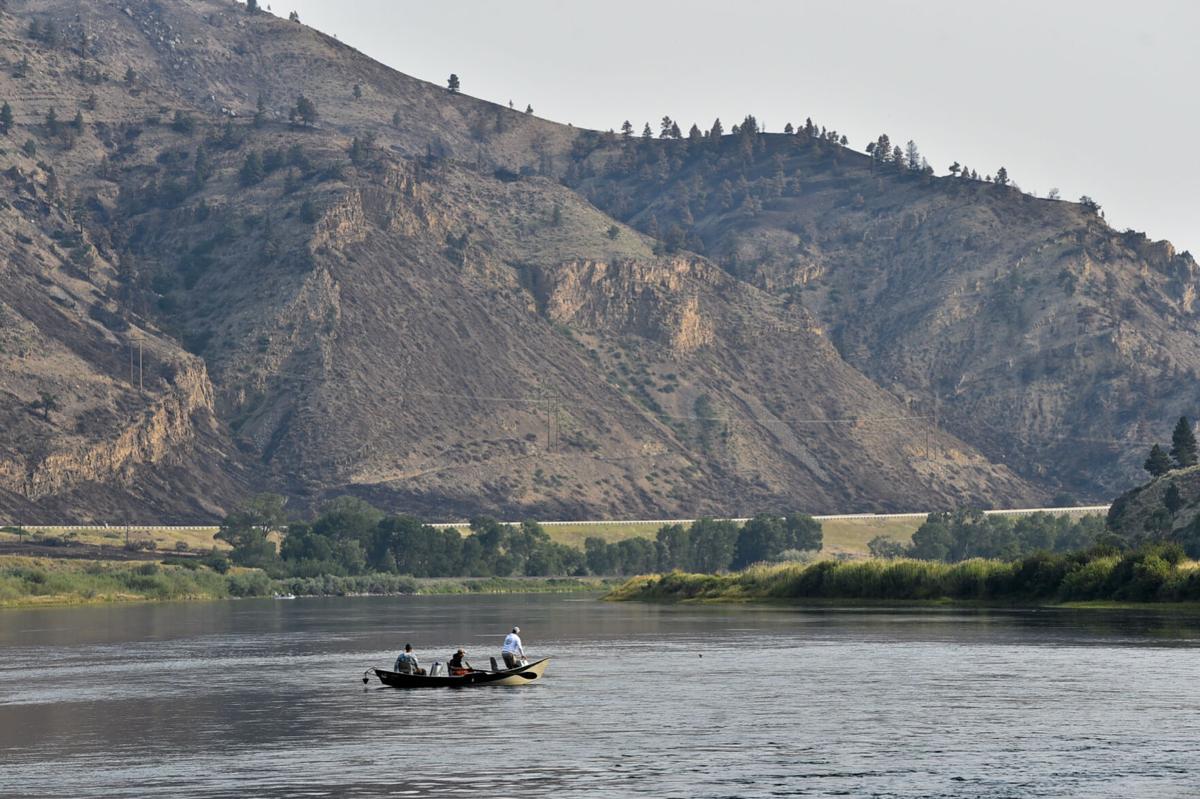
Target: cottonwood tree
{"points": [[765, 536], [1183, 444], [247, 526]]}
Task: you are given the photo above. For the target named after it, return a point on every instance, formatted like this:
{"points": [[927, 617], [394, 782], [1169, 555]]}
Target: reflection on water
{"points": [[264, 698]]}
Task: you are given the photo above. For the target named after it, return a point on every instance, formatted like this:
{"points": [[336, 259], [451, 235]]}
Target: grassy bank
{"points": [[26, 582], [1161, 574]]}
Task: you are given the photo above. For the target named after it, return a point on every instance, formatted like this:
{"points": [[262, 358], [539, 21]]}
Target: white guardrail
{"points": [[1087, 510]]}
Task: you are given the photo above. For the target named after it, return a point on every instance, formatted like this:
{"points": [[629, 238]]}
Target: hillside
{"points": [[450, 307], [1055, 344]]}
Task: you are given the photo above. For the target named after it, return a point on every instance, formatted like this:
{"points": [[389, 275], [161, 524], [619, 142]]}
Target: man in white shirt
{"points": [[513, 652]]}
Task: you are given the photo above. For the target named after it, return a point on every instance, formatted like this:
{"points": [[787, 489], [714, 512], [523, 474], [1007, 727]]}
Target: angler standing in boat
{"points": [[513, 652]]}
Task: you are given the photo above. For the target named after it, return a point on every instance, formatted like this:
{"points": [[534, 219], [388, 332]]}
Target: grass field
{"points": [[846, 537], [165, 540]]}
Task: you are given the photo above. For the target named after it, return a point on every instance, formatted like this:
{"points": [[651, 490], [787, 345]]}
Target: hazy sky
{"points": [[1096, 98]]}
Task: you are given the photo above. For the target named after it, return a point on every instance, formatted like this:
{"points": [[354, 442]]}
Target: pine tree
{"points": [[77, 122], [529, 108], [1157, 464], [716, 131], [130, 76], [294, 16], [453, 83], [6, 118], [260, 112], [676, 133], [627, 130], [788, 129], [912, 155], [646, 132], [252, 170], [1173, 499], [305, 110], [665, 128], [1001, 177], [52, 122], [202, 167], [1183, 444], [252, 6]]}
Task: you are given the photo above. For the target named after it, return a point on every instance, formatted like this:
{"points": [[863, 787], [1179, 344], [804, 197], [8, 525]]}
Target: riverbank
{"points": [[31, 582], [1098, 578]]}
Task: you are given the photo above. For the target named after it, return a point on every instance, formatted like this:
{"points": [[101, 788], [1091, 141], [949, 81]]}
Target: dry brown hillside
{"points": [[450, 307]]}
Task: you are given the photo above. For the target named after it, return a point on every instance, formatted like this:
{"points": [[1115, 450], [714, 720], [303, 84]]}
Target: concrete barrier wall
{"points": [[146, 528]]}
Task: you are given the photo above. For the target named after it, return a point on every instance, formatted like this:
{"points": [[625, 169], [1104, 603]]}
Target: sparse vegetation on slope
{"points": [[240, 256]]}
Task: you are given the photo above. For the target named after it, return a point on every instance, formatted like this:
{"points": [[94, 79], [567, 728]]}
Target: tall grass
{"points": [[38, 581], [1158, 574], [35, 581]]}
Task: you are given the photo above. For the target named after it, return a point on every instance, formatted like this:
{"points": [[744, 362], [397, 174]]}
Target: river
{"points": [[264, 698]]}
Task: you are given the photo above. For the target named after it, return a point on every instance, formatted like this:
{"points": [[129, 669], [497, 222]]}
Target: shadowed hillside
{"points": [[450, 307]]}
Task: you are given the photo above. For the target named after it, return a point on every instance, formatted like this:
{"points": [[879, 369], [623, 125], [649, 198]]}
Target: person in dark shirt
{"points": [[458, 664]]}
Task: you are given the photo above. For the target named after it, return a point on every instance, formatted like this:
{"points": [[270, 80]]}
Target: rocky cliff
{"points": [[450, 307]]}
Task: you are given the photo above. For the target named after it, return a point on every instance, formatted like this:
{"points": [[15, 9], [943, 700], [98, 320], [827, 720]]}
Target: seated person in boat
{"points": [[406, 662], [458, 664], [513, 652]]}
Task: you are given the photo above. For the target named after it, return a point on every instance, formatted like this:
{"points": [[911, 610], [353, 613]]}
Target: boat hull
{"points": [[521, 675]]}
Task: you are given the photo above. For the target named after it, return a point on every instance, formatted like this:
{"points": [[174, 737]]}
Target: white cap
{"points": [[516, 629]]}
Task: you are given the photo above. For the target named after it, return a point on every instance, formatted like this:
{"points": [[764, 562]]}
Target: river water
{"points": [[264, 699]]}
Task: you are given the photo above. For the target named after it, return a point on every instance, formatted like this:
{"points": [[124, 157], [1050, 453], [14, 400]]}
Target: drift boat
{"points": [[521, 675]]}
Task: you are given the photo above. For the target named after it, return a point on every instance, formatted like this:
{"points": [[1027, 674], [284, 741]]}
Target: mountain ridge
{"points": [[457, 317]]}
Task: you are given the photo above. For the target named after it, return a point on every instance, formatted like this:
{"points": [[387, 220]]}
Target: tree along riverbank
{"points": [[28, 582], [1102, 574]]}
